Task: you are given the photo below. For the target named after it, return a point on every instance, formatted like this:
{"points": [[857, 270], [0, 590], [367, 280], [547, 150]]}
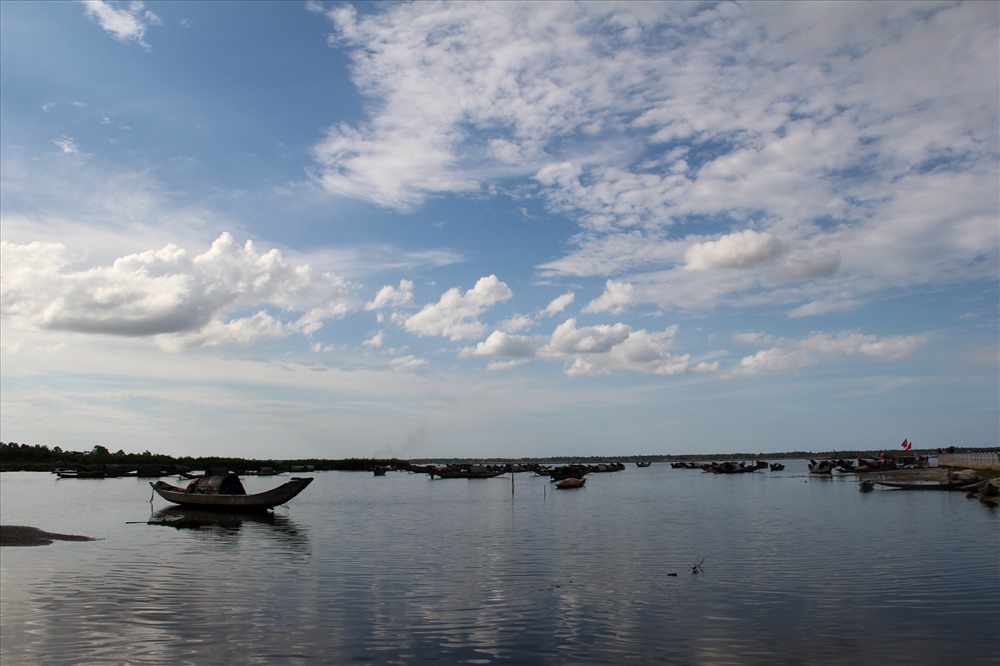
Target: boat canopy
{"points": [[217, 483]]}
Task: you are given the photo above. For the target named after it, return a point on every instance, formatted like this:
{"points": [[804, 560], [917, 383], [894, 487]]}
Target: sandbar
{"points": [[20, 535]]}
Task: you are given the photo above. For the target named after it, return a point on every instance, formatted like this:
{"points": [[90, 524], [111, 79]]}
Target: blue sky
{"points": [[283, 229]]}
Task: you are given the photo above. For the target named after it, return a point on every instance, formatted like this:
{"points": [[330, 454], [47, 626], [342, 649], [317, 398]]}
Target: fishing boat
{"points": [[473, 472], [225, 492], [571, 482], [963, 484], [821, 467]]}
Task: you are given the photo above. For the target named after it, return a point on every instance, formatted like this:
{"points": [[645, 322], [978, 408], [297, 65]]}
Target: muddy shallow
{"points": [[20, 535]]}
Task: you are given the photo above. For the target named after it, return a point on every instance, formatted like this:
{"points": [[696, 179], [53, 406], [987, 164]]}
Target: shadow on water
{"points": [[271, 524]]}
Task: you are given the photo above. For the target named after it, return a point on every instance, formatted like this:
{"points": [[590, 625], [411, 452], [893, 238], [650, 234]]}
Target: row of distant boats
{"points": [[118, 471], [222, 489]]}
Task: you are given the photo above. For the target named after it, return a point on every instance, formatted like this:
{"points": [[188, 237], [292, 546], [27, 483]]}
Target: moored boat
{"points": [[224, 491], [468, 472], [821, 467], [571, 482], [963, 484]]}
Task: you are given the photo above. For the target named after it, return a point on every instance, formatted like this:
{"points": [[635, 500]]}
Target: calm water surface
{"points": [[403, 569]]}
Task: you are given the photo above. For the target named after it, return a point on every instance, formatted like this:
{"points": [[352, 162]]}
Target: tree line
{"points": [[39, 457]]}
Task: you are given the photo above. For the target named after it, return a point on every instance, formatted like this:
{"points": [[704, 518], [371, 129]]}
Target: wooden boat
{"points": [[83, 474], [777, 467], [643, 463], [225, 492], [571, 482], [821, 467], [963, 484], [468, 472]]}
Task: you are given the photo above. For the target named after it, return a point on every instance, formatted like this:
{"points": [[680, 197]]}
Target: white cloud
{"points": [[805, 265], [745, 249], [376, 340], [504, 344], [617, 296], [752, 338], [821, 347], [182, 300], [409, 362], [601, 350], [126, 22], [854, 149], [558, 304], [392, 296], [66, 145], [590, 350], [496, 366], [456, 314], [516, 323]]}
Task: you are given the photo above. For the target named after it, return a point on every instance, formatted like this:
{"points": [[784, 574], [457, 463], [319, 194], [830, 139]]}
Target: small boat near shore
{"points": [[962, 484], [225, 492], [570, 482]]}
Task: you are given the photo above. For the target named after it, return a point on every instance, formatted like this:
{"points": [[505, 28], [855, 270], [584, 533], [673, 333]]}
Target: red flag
{"points": [[905, 445]]}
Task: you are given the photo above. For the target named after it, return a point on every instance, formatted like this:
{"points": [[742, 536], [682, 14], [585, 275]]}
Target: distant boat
{"points": [[643, 463], [225, 492], [963, 484], [82, 474], [473, 472], [821, 467], [571, 482]]}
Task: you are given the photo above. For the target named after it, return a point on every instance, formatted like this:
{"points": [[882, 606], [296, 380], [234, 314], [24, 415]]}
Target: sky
{"points": [[286, 230]]}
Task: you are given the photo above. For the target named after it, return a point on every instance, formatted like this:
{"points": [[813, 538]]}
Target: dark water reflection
{"points": [[402, 569]]}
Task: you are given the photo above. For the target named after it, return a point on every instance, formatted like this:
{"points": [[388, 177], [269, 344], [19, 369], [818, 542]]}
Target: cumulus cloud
{"points": [[180, 299], [456, 315], [389, 296], [590, 350], [504, 344], [821, 347], [745, 249], [126, 22], [617, 297], [558, 304], [855, 148], [601, 350]]}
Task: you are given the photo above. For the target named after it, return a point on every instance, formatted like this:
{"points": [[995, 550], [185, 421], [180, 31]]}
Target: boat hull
{"points": [[255, 502], [955, 485]]}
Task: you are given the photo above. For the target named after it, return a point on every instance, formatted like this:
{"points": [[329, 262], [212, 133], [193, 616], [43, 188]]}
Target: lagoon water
{"points": [[403, 569]]}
